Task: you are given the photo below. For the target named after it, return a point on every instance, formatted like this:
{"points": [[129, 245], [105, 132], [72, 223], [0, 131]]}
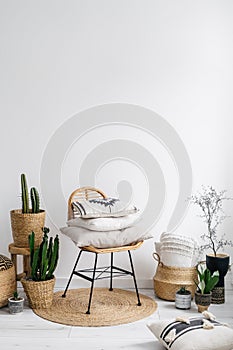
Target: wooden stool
{"points": [[14, 251]]}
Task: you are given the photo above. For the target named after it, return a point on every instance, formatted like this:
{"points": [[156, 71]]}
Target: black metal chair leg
{"points": [[92, 284], [134, 278], [64, 294], [111, 273]]}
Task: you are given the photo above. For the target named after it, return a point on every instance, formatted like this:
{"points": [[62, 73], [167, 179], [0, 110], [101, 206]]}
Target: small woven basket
{"points": [[39, 294], [7, 280], [169, 279], [23, 224]]}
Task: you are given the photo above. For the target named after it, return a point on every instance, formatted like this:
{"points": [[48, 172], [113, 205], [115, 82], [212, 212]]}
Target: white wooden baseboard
{"points": [[126, 282], [120, 283]]}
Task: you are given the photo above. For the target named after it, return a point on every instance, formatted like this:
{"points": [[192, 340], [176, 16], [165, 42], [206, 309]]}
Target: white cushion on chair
{"points": [[117, 238], [104, 224]]}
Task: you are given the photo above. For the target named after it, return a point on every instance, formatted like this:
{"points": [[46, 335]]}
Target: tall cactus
{"points": [[24, 194], [43, 260], [54, 257], [35, 200], [34, 195], [31, 239]]}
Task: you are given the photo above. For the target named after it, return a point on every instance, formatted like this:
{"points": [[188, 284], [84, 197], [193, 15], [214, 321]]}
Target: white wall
{"points": [[61, 57]]}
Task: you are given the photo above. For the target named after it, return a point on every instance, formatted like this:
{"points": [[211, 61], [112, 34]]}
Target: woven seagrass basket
{"points": [[169, 279], [7, 280], [23, 224], [39, 294]]}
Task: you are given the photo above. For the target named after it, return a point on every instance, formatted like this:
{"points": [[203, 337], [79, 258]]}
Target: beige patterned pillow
{"points": [[102, 207]]}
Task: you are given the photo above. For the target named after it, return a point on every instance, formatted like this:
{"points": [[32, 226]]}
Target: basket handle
{"points": [[157, 258]]}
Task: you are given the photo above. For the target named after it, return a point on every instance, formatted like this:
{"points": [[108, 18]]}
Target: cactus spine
{"points": [[24, 190], [43, 260], [35, 200]]}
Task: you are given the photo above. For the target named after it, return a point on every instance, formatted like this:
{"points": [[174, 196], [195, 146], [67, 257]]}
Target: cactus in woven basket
{"points": [[43, 260], [34, 195]]}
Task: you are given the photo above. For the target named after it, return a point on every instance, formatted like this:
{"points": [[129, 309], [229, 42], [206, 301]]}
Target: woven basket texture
{"points": [[23, 224], [39, 294], [7, 280], [169, 279]]}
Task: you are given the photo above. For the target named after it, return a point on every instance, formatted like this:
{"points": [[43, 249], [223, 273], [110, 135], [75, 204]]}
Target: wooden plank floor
{"points": [[27, 331]]}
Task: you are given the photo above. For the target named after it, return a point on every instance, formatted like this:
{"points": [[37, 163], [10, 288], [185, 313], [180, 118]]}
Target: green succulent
{"points": [[206, 282], [183, 291]]}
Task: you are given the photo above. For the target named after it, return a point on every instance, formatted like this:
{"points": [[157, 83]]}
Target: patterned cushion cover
{"points": [[102, 207], [176, 335], [5, 263]]}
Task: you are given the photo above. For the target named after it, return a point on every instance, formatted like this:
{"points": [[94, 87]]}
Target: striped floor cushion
{"points": [[194, 333]]}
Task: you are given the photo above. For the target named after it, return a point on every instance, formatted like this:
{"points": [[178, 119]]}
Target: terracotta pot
{"points": [[202, 301]]}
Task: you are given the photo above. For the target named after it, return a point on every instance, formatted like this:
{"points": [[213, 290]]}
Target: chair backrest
{"points": [[83, 193]]}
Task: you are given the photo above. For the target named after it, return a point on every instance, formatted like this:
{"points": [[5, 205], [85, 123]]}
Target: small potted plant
{"points": [[183, 298], [211, 204], [205, 284], [15, 303], [26, 220], [43, 260]]}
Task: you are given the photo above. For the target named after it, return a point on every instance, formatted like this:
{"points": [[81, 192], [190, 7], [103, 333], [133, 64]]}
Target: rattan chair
{"points": [[103, 272]]}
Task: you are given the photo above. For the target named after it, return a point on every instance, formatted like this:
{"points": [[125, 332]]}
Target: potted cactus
{"points": [[26, 220], [43, 261], [15, 304], [183, 298], [205, 284]]}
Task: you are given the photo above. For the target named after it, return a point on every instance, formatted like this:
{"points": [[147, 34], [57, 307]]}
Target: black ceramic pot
{"points": [[202, 301], [218, 263]]}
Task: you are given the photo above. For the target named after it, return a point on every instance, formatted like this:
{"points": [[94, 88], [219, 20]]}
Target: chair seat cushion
{"points": [[83, 237]]}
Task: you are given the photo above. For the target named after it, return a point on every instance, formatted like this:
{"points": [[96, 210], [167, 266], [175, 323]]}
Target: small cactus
{"points": [[183, 290], [43, 260], [16, 296]]}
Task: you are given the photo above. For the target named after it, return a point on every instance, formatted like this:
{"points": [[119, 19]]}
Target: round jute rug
{"points": [[107, 308]]}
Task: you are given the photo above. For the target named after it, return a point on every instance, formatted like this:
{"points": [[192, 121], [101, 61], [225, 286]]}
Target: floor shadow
{"points": [[148, 345]]}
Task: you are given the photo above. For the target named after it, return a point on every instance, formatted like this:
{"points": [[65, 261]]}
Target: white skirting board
{"points": [[120, 283], [78, 282], [127, 282]]}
